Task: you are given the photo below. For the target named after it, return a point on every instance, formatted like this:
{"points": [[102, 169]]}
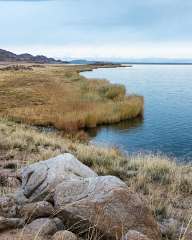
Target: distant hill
{"points": [[6, 56], [83, 61]]}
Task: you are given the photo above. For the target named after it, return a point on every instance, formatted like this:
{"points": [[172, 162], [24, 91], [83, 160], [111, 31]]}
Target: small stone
{"points": [[169, 227], [134, 235], [188, 235], [18, 234], [131, 173], [44, 226], [64, 235], [58, 223], [10, 223], [32, 211]]}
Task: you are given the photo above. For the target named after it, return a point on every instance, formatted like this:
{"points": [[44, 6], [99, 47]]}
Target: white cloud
{"points": [[145, 50]]}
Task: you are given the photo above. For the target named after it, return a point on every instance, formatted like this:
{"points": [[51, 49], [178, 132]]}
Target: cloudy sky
{"points": [[104, 29]]}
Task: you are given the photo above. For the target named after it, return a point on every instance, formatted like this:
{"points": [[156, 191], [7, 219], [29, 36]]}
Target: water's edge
{"points": [[165, 127]]}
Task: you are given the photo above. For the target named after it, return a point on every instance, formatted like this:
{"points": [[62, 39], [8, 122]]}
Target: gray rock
{"points": [[64, 235], [134, 235], [188, 235], [18, 234], [40, 179], [9, 223], [131, 173], [59, 224], [44, 226], [105, 203], [32, 211], [169, 227]]}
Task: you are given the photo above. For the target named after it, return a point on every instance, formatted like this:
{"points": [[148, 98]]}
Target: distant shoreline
{"points": [[142, 63]]}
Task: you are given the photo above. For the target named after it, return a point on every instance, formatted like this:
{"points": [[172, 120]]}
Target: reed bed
{"points": [[59, 96]]}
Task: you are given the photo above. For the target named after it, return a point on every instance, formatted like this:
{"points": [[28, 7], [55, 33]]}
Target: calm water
{"points": [[167, 123]]}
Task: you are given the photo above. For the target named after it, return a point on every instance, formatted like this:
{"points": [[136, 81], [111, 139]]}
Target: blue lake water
{"points": [[167, 124]]}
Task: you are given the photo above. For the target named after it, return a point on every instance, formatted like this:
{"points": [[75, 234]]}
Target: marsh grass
{"points": [[59, 96]]}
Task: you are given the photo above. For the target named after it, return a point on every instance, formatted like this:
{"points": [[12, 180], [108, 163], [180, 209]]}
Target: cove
{"points": [[166, 127]]}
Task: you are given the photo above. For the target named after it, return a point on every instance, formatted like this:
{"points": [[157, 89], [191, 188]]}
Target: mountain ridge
{"points": [[7, 56]]}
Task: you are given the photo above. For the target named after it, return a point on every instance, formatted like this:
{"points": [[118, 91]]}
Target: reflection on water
{"points": [[126, 125]]}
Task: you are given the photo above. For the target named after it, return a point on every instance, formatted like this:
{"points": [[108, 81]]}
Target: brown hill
{"points": [[6, 56]]}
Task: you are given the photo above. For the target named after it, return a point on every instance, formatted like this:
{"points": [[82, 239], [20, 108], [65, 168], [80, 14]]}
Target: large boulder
{"points": [[104, 203], [39, 180]]}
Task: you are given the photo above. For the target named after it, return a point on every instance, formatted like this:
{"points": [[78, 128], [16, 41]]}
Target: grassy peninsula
{"points": [[57, 95]]}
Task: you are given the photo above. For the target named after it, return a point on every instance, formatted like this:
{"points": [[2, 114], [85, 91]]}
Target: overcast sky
{"points": [[98, 28]]}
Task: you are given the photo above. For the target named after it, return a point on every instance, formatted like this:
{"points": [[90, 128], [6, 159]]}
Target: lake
{"points": [[167, 123]]}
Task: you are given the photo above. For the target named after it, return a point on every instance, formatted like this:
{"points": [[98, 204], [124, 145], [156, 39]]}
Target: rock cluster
{"points": [[61, 194]]}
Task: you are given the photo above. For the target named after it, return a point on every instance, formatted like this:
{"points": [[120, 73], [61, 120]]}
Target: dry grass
{"points": [[59, 96], [22, 138], [166, 185], [21, 145]]}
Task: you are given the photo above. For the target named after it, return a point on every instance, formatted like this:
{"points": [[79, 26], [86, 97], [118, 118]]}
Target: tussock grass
{"points": [[59, 96], [148, 168], [21, 145]]}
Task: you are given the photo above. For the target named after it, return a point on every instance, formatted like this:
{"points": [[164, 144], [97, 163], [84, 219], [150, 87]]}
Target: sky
{"points": [[98, 29]]}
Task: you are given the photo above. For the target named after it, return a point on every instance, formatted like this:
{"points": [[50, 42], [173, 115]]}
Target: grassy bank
{"points": [[166, 185], [59, 96]]}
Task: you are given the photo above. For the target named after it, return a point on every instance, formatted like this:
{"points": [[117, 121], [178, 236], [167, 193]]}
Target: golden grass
{"points": [[59, 96], [27, 143]]}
